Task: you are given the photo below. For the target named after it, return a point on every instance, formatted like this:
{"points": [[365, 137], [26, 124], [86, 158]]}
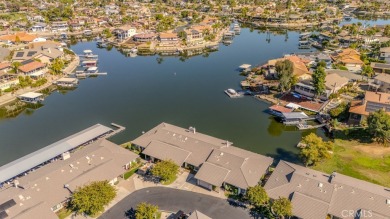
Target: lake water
{"points": [[140, 93]]}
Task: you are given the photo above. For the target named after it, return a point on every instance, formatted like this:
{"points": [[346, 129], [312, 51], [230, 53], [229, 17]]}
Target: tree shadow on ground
{"points": [[358, 134], [130, 213]]}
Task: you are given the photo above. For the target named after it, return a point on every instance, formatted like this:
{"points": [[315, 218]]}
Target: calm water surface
{"points": [[139, 93]]}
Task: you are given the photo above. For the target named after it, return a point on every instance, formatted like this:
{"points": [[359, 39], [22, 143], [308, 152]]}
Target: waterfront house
{"points": [[216, 161], [47, 189], [384, 54], [144, 37], [380, 67], [350, 58], [168, 39], [31, 97], [45, 55], [299, 67], [333, 83], [125, 32], [194, 37], [315, 194], [34, 69], [373, 101]]}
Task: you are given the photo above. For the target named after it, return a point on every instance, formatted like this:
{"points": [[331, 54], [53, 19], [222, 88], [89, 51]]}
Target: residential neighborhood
{"points": [[224, 109]]}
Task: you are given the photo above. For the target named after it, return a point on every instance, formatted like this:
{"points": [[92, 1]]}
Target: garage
{"points": [[205, 185]]}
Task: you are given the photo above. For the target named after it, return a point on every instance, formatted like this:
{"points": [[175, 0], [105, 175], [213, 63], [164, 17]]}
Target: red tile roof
{"points": [[31, 66]]}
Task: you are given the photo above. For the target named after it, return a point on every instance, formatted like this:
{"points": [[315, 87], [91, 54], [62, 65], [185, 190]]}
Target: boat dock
{"points": [[118, 129], [306, 126]]}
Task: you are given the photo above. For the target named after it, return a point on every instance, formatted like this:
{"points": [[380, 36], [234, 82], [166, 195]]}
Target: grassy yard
{"points": [[366, 161], [63, 213], [131, 171], [168, 182]]}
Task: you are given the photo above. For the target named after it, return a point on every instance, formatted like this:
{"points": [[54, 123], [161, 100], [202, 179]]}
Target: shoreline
{"points": [[9, 98]]}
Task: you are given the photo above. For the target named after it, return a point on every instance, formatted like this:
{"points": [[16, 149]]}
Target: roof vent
{"points": [[299, 185], [371, 198], [353, 191], [388, 201], [221, 154], [320, 185]]}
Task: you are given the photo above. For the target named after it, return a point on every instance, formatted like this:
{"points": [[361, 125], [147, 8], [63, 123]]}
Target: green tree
{"points": [[386, 31], [146, 211], [166, 170], [17, 40], [257, 196], [15, 66], [285, 70], [281, 207], [367, 71], [319, 80], [315, 149], [107, 32], [56, 66], [379, 126], [92, 198]]}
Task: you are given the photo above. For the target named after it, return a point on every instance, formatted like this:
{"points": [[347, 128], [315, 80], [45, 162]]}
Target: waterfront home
{"points": [[168, 39], [373, 101], [20, 37], [216, 161], [380, 67], [315, 194], [47, 189], [350, 58], [299, 67], [34, 69], [194, 37], [45, 55], [144, 37], [5, 67], [59, 26], [333, 83], [384, 54], [278, 110], [125, 32], [312, 58]]}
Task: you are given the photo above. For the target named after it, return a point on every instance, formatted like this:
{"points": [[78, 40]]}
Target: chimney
{"points": [[48, 50]]}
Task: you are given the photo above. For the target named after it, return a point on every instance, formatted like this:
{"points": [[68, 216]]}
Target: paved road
{"points": [[173, 200]]}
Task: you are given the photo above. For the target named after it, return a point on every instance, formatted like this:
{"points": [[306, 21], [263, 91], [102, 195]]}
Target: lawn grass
{"points": [[63, 213], [349, 160], [129, 173]]}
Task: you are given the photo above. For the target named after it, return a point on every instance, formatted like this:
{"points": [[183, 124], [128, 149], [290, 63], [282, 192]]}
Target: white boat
{"points": [[88, 55], [232, 93]]}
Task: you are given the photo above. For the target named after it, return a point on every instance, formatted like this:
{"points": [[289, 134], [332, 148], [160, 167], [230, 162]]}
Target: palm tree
{"points": [[15, 66]]}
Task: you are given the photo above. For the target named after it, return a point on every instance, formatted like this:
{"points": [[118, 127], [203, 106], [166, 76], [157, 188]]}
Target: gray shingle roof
{"points": [[339, 192], [198, 215], [42, 155], [212, 174], [163, 151], [245, 168]]}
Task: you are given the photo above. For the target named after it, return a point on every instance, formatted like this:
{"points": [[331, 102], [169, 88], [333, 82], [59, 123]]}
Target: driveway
{"points": [[169, 199]]}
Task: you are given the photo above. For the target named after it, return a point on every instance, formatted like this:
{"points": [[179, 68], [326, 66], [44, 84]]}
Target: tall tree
{"points": [[285, 70], [315, 149], [319, 80], [146, 211], [367, 71], [92, 198], [281, 207], [257, 196], [379, 126]]}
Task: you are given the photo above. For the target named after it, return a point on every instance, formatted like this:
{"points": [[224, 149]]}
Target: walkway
{"points": [[169, 199]]}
